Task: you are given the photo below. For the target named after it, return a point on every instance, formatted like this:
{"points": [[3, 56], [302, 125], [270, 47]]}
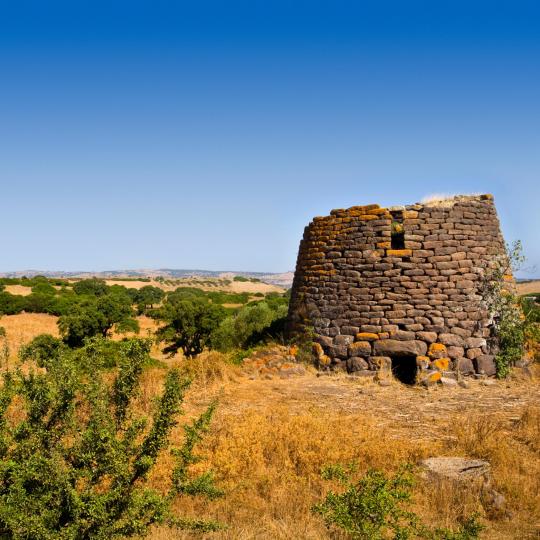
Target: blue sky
{"points": [[208, 134]]}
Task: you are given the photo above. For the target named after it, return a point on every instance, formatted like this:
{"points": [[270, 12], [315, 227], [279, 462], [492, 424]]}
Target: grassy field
{"points": [[271, 437]]}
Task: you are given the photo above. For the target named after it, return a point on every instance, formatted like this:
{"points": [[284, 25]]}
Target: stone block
{"points": [[381, 362], [356, 364], [485, 365], [465, 366], [367, 336], [441, 364], [394, 347], [437, 350], [360, 348], [451, 339]]}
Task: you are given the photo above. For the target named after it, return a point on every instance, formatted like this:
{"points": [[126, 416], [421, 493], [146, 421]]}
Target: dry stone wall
{"points": [[387, 287]]}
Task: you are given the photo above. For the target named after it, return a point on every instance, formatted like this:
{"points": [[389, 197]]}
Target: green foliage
{"points": [[240, 278], [44, 287], [92, 287], [251, 325], [94, 316], [374, 507], [43, 348], [191, 319], [74, 465], [512, 325], [146, 297], [11, 304]]}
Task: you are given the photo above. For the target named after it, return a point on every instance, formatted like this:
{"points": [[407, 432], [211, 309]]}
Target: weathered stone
{"points": [[430, 378], [353, 279], [451, 339], [381, 362], [457, 468], [465, 366], [441, 364], [394, 347], [367, 336], [360, 348], [437, 350], [428, 337], [485, 365], [356, 364]]}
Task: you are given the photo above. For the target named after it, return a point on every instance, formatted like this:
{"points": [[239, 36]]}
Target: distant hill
{"points": [[281, 279]]}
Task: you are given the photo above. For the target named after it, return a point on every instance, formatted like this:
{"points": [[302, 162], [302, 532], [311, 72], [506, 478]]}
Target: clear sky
{"points": [[207, 134]]}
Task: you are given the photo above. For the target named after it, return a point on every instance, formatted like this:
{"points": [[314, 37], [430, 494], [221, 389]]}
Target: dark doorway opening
{"points": [[397, 230], [404, 369]]}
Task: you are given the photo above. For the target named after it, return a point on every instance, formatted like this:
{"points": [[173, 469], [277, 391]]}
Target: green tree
{"points": [[74, 464], [11, 304], [147, 297], [252, 324], [190, 323], [96, 316], [92, 287]]}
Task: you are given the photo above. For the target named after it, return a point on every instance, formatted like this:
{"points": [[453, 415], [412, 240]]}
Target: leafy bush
{"points": [[512, 325], [74, 463], [191, 320], [252, 324], [96, 316], [11, 304], [92, 287], [44, 287], [44, 349], [375, 508], [240, 278]]}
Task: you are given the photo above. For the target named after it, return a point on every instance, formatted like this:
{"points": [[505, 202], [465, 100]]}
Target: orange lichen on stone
{"points": [[410, 214], [317, 350], [384, 245], [399, 252], [437, 350], [366, 336], [441, 364], [433, 377], [422, 363], [293, 350], [324, 360]]}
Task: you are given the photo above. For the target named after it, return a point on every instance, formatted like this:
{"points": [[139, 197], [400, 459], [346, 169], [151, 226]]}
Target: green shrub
{"points": [[374, 507], [44, 287], [240, 278], [512, 325], [43, 349], [94, 316], [74, 464], [92, 287], [191, 320], [251, 325], [11, 304]]}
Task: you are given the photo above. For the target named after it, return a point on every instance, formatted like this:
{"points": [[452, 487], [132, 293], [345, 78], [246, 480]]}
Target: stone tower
{"points": [[399, 287]]}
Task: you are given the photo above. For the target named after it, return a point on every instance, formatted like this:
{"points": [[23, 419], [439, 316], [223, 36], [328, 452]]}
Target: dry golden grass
{"points": [[269, 440], [22, 328], [21, 290], [528, 287]]}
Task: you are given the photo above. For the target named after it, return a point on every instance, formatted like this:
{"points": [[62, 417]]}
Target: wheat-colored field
{"points": [[529, 287], [270, 438]]}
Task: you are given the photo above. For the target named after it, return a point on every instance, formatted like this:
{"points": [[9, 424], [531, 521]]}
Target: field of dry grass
{"points": [[270, 438], [529, 287]]}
